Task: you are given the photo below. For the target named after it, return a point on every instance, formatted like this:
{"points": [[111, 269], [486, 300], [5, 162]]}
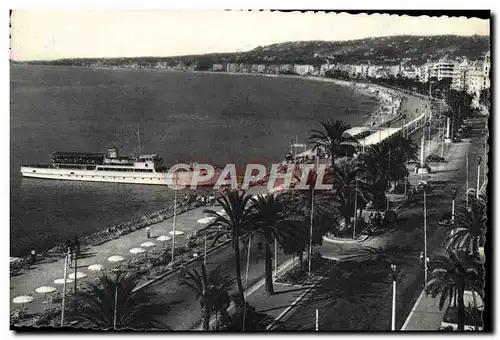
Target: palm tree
{"points": [[375, 171], [452, 275], [212, 290], [406, 145], [272, 221], [233, 224], [344, 185], [334, 139], [470, 226], [95, 304]]}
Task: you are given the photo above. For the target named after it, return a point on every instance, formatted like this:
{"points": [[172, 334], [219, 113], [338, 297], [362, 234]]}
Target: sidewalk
{"points": [[44, 273], [425, 314]]}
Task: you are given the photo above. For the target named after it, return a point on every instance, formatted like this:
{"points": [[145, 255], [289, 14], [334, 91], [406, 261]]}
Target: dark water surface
{"points": [[215, 118]]}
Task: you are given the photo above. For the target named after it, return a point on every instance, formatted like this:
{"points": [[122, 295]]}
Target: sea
{"points": [[213, 118]]}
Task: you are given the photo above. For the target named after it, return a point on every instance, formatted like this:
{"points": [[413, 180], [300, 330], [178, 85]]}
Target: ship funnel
{"points": [[113, 153]]}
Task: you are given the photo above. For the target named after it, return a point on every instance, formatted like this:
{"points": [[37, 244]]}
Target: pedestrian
{"points": [[33, 256], [370, 218], [148, 232], [76, 245]]}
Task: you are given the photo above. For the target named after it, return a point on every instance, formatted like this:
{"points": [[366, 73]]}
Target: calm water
{"points": [[184, 117]]}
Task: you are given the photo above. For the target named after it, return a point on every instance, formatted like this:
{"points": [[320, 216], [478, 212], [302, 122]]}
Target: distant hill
{"points": [[418, 49], [414, 50]]}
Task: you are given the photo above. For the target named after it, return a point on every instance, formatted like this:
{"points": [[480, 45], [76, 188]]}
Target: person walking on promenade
{"points": [[69, 250], [33, 257], [148, 232], [76, 246]]}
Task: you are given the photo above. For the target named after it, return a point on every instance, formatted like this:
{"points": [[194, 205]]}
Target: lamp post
{"points": [[204, 252], [453, 195], [467, 180], [355, 207], [246, 283], [485, 156], [64, 285], [174, 220], [312, 214], [275, 257], [425, 236], [394, 276], [478, 175]]}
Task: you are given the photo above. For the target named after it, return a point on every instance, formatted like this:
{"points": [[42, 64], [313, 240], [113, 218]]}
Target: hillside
{"points": [[382, 49], [414, 50]]}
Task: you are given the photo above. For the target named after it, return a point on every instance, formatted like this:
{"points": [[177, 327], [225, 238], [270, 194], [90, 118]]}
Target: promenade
{"points": [[366, 292], [425, 314], [185, 311]]}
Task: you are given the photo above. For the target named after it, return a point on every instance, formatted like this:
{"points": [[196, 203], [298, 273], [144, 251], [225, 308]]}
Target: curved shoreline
{"points": [[142, 221]]}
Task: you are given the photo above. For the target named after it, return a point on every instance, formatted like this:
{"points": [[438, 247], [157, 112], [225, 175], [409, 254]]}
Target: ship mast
{"points": [[139, 138]]}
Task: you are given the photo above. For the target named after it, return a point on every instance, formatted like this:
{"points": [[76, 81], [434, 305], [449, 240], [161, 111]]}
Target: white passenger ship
{"points": [[110, 167]]}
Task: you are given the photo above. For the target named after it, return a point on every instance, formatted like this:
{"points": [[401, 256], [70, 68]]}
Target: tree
{"points": [[334, 139], [374, 173], [452, 275], [95, 305], [233, 223], [272, 221], [343, 178], [469, 227], [212, 290]]}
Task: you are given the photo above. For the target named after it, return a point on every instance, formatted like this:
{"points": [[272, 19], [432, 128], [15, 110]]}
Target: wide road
{"points": [[358, 297]]}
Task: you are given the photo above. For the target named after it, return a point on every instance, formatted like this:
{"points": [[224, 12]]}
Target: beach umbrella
{"points": [[148, 245], [79, 275], [61, 281], [163, 238], [95, 267], [177, 232], [23, 299], [205, 220], [116, 258], [137, 250], [45, 289]]}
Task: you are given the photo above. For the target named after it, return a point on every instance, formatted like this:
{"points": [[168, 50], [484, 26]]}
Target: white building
{"points": [[232, 67], [303, 69], [218, 67]]}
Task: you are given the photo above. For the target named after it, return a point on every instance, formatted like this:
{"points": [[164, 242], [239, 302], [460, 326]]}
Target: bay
{"points": [[203, 117]]}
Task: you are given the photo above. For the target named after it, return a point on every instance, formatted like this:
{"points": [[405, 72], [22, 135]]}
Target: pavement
{"points": [[366, 291], [44, 272], [425, 314]]}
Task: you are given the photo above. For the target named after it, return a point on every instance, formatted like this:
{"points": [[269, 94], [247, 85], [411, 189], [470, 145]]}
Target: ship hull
{"points": [[45, 172]]}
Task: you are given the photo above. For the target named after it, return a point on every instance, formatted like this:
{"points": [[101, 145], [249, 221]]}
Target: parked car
{"points": [[423, 185], [434, 158]]}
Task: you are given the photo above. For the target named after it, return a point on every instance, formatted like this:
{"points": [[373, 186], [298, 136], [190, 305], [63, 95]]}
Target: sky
{"points": [[43, 34]]}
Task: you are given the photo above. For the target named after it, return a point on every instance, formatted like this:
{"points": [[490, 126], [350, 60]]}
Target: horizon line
{"points": [[234, 52]]}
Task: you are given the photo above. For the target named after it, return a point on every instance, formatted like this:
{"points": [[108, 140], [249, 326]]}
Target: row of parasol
{"points": [[144, 247]]}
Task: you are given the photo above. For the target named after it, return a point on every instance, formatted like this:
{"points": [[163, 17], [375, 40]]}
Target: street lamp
{"points": [[425, 236], [312, 212], [394, 276], [355, 207], [467, 180], [478, 175], [453, 195], [64, 284]]}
